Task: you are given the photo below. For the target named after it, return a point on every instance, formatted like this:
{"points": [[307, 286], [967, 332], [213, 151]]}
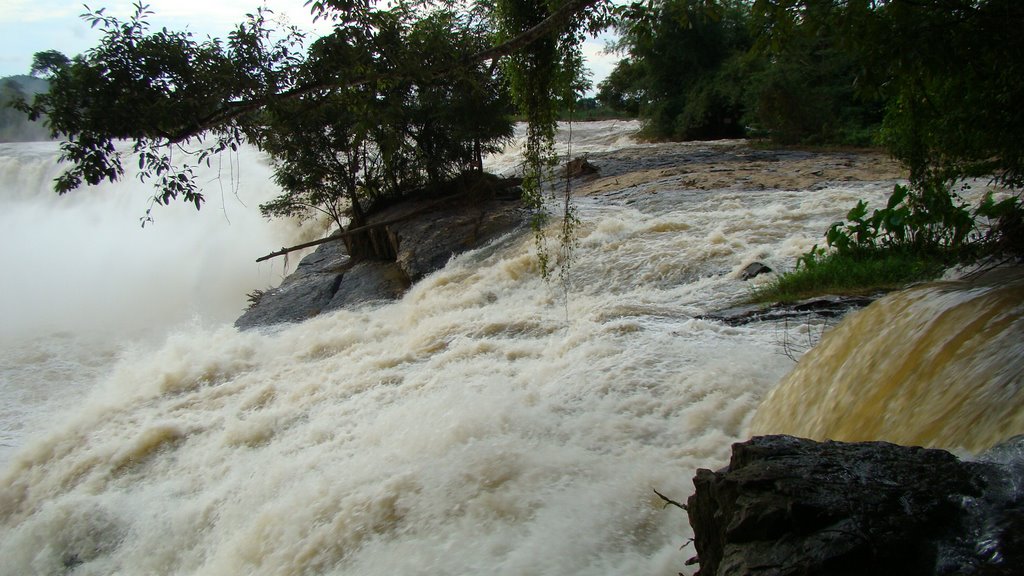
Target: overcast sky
{"points": [[30, 26]]}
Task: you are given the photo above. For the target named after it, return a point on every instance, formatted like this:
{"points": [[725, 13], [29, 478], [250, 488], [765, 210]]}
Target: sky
{"points": [[30, 26]]}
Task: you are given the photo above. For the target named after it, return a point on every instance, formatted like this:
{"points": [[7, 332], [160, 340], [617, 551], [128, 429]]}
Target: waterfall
{"points": [[940, 365], [82, 280], [83, 260], [488, 422]]}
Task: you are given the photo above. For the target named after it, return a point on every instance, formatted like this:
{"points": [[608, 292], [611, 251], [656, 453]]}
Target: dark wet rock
{"points": [[421, 236], [753, 270], [426, 243], [580, 167], [821, 307], [790, 506], [305, 293], [369, 282]]}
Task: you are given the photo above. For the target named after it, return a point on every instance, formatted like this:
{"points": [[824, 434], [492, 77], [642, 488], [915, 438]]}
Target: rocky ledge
{"points": [[790, 506], [419, 236]]}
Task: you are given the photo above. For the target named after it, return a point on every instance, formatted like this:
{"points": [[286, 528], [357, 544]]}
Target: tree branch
{"points": [[346, 233], [233, 110], [669, 501]]}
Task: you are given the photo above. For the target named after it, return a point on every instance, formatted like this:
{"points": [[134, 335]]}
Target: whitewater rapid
{"points": [[83, 281], [489, 421]]}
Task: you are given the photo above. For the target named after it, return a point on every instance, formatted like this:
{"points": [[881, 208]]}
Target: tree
{"points": [[621, 90], [544, 79], [802, 85], [165, 88], [949, 72], [48, 63], [675, 72], [352, 148], [397, 92]]}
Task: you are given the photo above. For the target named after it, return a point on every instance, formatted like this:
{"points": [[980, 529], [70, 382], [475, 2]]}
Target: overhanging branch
{"points": [[233, 110]]}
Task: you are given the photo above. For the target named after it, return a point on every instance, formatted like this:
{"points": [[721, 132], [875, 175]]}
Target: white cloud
{"points": [[599, 62]]}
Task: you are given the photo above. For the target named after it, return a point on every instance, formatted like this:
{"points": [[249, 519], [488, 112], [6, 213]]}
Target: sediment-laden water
{"points": [[937, 365], [488, 422]]}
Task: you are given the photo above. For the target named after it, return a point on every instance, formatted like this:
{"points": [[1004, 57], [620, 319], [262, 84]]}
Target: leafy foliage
{"points": [[48, 63], [861, 274], [946, 71], [397, 97], [804, 83], [921, 230], [142, 86], [924, 219], [675, 75], [348, 150], [621, 89]]}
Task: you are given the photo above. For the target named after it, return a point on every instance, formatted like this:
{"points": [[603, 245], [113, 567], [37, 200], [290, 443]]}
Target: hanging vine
{"points": [[543, 79]]}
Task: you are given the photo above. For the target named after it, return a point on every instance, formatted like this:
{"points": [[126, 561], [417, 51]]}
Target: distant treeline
{"points": [[14, 124], [697, 70]]}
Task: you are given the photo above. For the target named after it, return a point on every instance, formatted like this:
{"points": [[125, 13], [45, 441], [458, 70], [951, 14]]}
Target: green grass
{"points": [[850, 275]]}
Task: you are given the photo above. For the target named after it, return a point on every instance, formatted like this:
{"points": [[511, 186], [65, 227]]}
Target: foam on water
{"points": [[577, 139], [82, 279], [487, 422]]}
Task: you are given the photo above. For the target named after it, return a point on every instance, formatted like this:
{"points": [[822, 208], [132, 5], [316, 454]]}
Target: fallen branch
{"points": [[284, 251], [669, 500], [346, 233]]}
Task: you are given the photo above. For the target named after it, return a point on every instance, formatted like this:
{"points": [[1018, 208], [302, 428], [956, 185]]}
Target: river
{"points": [[488, 422]]}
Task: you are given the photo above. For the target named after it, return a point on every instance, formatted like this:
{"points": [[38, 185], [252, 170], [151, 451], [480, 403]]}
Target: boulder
{"points": [[369, 281], [790, 506], [820, 307], [580, 167], [421, 236], [304, 293], [426, 243], [753, 270]]}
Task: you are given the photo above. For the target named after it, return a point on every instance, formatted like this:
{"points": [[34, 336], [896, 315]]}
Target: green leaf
{"points": [[899, 194], [857, 212]]}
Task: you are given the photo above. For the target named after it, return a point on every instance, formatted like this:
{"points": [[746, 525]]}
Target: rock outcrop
{"points": [[753, 270], [789, 506], [820, 307], [421, 236]]}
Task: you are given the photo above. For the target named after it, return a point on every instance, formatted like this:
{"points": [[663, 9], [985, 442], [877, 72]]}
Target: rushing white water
{"points": [[488, 422], [574, 140], [82, 279]]}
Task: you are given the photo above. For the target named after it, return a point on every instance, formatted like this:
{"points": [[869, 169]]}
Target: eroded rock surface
{"points": [[421, 236], [304, 293], [789, 506]]}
